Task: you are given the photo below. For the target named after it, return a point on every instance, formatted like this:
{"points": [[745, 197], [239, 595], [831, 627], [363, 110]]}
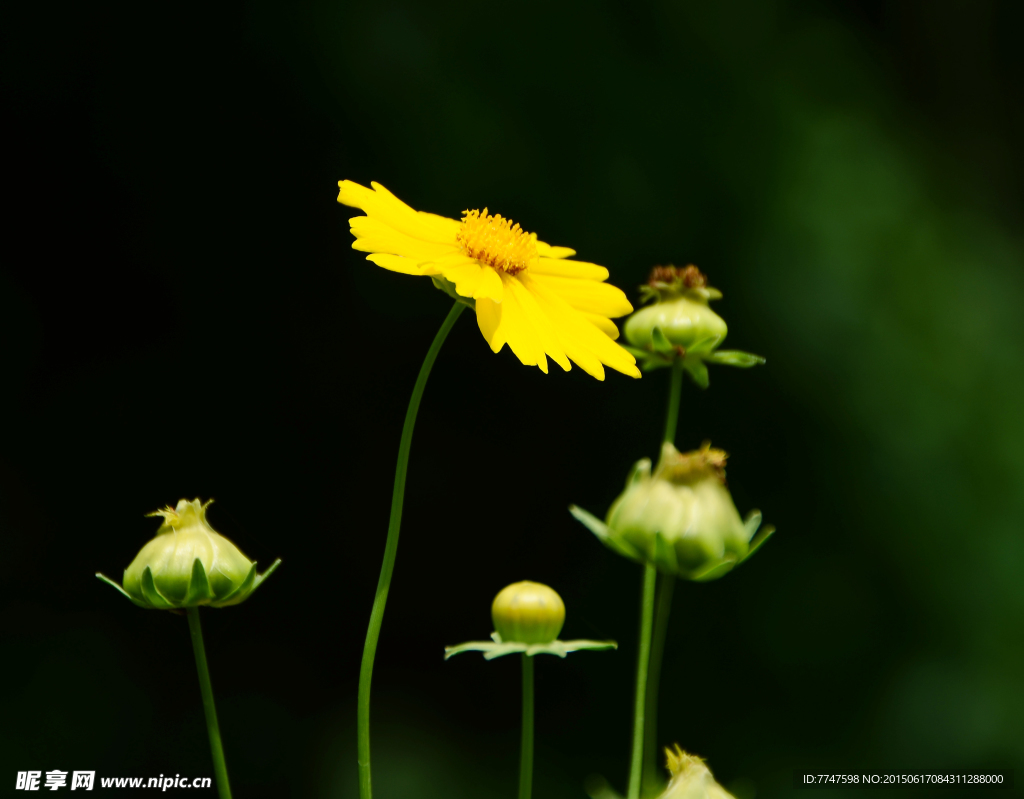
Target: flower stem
{"points": [[663, 603], [220, 768], [390, 550], [526, 742], [642, 665], [675, 387], [662, 608]]}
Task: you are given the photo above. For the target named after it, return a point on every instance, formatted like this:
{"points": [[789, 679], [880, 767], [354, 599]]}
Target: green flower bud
{"points": [[679, 326], [528, 613], [691, 778], [681, 518], [679, 309], [189, 564]]}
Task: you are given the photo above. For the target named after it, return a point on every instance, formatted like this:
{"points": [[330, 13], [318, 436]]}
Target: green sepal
{"points": [[714, 572], [496, 648], [665, 555], [132, 599], [448, 288], [600, 529], [704, 347], [198, 587], [752, 522], [744, 360], [697, 370], [661, 344], [154, 598], [241, 592], [261, 577]]}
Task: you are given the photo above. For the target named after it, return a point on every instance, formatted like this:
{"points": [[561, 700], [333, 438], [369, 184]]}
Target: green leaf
{"points": [[153, 597], [241, 592], [744, 360], [198, 587]]}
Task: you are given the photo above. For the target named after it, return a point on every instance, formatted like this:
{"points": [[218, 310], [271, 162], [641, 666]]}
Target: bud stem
{"points": [[651, 783], [648, 669], [642, 667], [674, 392], [220, 768], [526, 741], [390, 551]]}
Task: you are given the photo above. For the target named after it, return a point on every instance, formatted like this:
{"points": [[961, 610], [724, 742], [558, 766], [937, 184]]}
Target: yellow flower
{"points": [[527, 294]]}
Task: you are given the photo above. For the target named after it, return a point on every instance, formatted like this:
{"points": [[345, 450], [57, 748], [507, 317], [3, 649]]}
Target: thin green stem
{"points": [[220, 768], [675, 389], [662, 609], [526, 741], [642, 667], [390, 550], [663, 604]]}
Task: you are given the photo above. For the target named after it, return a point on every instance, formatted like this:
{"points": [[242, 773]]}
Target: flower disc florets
{"points": [[497, 242], [189, 564]]}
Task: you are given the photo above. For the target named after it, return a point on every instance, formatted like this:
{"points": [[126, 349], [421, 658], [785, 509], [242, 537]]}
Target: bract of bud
{"points": [[528, 613], [691, 778], [189, 563], [678, 324], [681, 517]]}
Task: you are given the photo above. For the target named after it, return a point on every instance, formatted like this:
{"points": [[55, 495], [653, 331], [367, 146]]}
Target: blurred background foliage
{"points": [[182, 316]]}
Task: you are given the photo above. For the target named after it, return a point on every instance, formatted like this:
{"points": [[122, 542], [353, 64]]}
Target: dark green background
{"points": [[182, 316]]}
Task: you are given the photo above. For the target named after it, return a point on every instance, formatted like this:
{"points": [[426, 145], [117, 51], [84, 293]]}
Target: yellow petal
{"points": [[542, 327], [373, 235], [580, 270], [514, 326], [582, 341], [488, 315], [398, 263], [603, 299], [473, 280], [606, 326], [545, 250], [380, 204]]}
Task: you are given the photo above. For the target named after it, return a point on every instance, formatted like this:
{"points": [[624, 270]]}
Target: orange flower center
{"points": [[497, 242]]}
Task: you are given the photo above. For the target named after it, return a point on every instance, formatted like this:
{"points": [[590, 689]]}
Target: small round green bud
{"points": [[528, 613], [681, 517], [679, 308], [189, 564]]}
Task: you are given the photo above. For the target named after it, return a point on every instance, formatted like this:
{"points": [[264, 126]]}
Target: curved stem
{"points": [[526, 741], [390, 550], [643, 662], [662, 609], [675, 388], [220, 768]]}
